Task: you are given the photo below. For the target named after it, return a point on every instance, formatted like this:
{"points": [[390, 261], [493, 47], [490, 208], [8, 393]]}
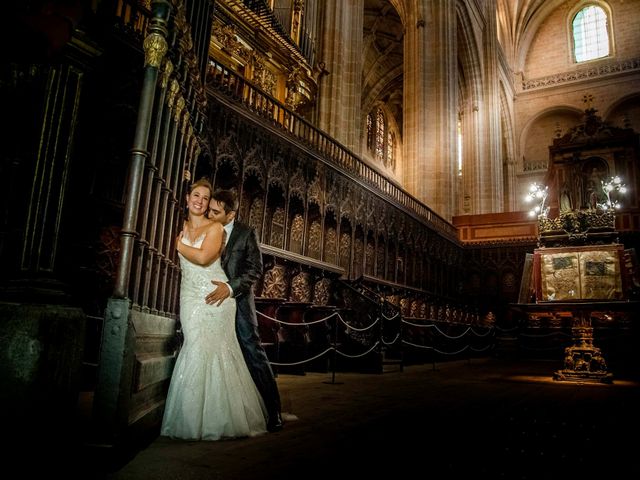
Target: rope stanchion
{"points": [[335, 351], [433, 351], [368, 329]]}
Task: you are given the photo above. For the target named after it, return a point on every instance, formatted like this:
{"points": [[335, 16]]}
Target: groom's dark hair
{"points": [[229, 198]]}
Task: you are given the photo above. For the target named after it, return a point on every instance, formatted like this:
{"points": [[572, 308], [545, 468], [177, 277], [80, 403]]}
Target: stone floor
{"points": [[484, 417]]}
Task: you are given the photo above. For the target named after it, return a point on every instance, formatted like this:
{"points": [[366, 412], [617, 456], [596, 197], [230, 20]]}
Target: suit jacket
{"points": [[242, 262]]}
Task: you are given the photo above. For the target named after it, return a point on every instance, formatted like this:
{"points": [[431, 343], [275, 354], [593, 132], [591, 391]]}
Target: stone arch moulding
{"points": [[613, 106], [530, 29], [550, 111]]}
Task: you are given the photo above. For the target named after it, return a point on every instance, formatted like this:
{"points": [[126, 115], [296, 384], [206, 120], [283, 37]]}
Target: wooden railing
{"points": [[233, 85], [236, 87]]}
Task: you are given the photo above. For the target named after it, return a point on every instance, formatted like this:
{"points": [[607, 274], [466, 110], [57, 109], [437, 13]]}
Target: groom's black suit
{"points": [[242, 262]]}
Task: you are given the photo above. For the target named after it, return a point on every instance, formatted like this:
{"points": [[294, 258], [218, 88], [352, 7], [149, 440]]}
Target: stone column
{"points": [[112, 394], [482, 178], [341, 89], [490, 184], [429, 106]]}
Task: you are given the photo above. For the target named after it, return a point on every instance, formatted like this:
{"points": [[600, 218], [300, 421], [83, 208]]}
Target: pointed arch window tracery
{"points": [[381, 140]]}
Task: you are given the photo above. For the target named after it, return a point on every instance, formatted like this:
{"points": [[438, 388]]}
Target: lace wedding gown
{"points": [[211, 395]]}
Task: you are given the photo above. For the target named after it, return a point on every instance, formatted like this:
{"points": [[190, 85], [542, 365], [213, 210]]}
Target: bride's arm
{"points": [[210, 249]]}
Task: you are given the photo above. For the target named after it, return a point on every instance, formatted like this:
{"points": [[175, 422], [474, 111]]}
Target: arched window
{"points": [[381, 139], [380, 128], [390, 161], [371, 134], [590, 34]]}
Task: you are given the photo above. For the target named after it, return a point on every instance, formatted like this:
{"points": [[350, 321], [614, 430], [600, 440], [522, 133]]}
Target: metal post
{"points": [[155, 47], [114, 377]]}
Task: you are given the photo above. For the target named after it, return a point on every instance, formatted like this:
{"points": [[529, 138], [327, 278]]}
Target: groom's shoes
{"points": [[275, 423]]}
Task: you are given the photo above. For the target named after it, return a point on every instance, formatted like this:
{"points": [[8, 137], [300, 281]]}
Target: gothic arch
{"points": [[528, 20], [629, 105], [556, 110]]}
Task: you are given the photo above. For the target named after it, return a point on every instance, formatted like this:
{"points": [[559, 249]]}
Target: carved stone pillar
{"points": [[430, 67], [340, 90]]}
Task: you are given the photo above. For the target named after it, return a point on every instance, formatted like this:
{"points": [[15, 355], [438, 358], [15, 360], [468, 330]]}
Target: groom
{"points": [[242, 262]]}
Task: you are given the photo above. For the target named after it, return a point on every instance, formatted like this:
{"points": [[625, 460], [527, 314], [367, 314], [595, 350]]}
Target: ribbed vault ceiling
{"points": [[518, 21], [383, 57]]}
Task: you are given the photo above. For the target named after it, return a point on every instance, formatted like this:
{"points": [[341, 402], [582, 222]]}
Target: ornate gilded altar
{"points": [[580, 270], [580, 283]]}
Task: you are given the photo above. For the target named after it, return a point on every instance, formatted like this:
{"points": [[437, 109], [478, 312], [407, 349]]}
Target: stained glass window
{"points": [[370, 132], [380, 128], [381, 140]]}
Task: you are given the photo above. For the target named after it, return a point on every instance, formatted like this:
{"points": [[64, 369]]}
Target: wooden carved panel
{"points": [[345, 249], [330, 245], [416, 308], [301, 288], [297, 231], [405, 306], [322, 292], [275, 284], [358, 257], [369, 257], [276, 238], [315, 234], [380, 260], [255, 215]]}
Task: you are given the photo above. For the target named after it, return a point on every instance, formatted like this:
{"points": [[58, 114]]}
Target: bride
{"points": [[211, 394]]}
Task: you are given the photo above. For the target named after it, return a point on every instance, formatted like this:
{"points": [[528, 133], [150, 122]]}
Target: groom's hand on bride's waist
{"points": [[218, 294]]}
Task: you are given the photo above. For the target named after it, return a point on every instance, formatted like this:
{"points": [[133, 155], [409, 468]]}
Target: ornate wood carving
{"points": [[369, 258], [254, 166], [301, 288], [256, 213], [380, 259], [315, 236], [330, 245], [228, 153], [275, 282], [298, 184], [316, 188], [278, 174], [345, 249], [276, 237], [297, 232], [322, 292]]}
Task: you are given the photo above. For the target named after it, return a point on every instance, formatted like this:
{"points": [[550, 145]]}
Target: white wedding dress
{"points": [[211, 395]]}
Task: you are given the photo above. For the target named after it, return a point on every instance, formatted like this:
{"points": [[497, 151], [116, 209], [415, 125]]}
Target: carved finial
{"points": [[558, 130]]}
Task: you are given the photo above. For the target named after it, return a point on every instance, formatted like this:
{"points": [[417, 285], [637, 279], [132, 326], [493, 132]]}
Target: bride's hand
{"points": [[179, 239]]}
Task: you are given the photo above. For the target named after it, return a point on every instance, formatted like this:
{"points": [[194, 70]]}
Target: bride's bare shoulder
{"points": [[214, 226]]}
